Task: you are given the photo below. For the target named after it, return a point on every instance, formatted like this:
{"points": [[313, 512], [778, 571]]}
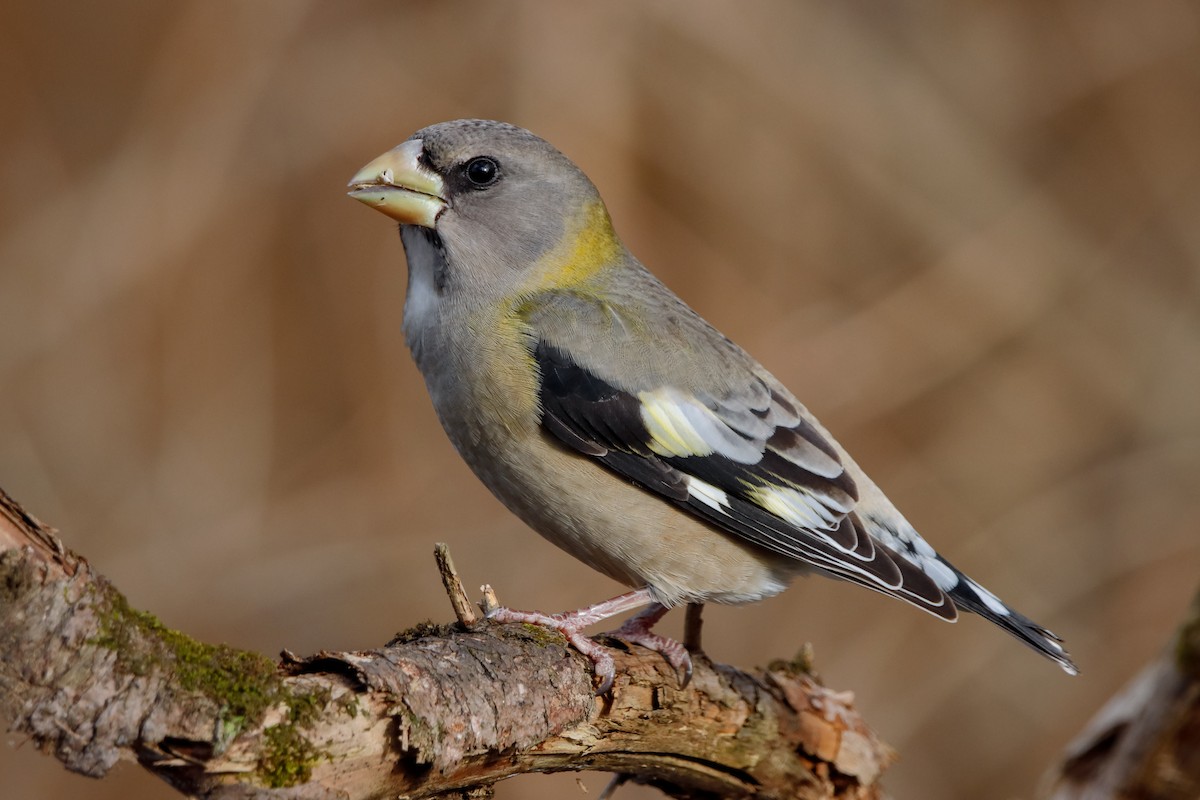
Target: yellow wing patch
{"points": [[798, 506]]}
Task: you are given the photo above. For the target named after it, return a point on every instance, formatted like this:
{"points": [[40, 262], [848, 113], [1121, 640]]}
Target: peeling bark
{"points": [[1145, 742], [443, 711]]}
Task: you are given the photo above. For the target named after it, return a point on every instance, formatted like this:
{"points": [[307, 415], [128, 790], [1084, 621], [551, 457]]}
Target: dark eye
{"points": [[482, 172]]}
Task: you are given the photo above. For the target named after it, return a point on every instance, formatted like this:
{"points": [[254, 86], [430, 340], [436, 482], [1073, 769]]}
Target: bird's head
{"points": [[504, 205]]}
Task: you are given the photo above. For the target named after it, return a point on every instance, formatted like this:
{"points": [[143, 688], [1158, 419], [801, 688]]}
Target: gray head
{"points": [[497, 196]]}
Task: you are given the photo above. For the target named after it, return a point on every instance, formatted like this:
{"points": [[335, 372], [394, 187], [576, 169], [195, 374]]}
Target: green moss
{"points": [[15, 575], [348, 703], [538, 634], [803, 664], [420, 631], [242, 683], [541, 635], [305, 709], [288, 756], [419, 729], [1187, 645]]}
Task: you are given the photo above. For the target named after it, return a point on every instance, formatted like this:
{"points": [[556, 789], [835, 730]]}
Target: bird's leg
{"points": [[691, 627], [636, 630], [571, 624]]}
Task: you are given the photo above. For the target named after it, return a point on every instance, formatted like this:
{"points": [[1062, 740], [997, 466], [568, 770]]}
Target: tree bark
{"points": [[442, 711], [1145, 742]]}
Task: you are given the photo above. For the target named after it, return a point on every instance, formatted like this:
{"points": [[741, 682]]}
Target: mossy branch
{"points": [[442, 711]]}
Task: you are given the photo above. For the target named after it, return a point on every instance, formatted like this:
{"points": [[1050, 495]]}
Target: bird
{"points": [[615, 421]]}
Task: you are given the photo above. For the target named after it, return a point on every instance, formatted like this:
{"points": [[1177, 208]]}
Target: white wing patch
{"points": [[681, 426], [708, 494]]}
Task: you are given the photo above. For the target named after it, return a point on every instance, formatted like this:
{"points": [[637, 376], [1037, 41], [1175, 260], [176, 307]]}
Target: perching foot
{"points": [[637, 630], [572, 629], [572, 623]]}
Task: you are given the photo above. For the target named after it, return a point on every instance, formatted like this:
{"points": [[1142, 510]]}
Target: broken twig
{"points": [[463, 609]]}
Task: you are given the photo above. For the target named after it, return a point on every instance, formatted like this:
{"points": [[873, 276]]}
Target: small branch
{"points": [[490, 602], [463, 610], [440, 712]]}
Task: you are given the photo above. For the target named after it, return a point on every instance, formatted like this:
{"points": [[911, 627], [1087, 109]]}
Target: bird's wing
{"points": [[743, 457]]}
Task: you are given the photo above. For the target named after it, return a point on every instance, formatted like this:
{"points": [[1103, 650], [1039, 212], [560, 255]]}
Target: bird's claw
{"points": [[571, 627], [637, 631]]}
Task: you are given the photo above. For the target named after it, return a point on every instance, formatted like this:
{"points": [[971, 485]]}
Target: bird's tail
{"points": [[970, 596]]}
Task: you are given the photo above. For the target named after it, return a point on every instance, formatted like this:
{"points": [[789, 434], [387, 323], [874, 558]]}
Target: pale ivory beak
{"points": [[397, 184]]}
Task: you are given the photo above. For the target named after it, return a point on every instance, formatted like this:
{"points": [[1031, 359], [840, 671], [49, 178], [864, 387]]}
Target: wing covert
{"points": [[748, 463]]}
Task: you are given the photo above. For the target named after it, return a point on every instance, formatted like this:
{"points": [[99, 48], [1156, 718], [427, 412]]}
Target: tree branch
{"points": [[1145, 742], [444, 710]]}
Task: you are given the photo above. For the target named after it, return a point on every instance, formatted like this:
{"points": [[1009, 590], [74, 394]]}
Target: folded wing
{"points": [[746, 461]]}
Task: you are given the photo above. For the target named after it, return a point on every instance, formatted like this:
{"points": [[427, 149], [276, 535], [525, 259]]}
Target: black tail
{"points": [[970, 596]]}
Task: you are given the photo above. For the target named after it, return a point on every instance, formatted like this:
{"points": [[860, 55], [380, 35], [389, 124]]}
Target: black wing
{"points": [[750, 464]]}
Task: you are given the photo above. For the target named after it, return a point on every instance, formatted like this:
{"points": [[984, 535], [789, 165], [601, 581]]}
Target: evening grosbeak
{"points": [[612, 419]]}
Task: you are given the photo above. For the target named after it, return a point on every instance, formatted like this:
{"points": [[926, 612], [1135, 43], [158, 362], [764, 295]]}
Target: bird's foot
{"points": [[571, 627], [637, 630], [572, 623]]}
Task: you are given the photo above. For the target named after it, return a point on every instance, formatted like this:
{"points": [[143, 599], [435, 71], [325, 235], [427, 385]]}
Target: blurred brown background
{"points": [[966, 234]]}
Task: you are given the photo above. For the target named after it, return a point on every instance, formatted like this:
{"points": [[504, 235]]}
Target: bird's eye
{"points": [[482, 172]]}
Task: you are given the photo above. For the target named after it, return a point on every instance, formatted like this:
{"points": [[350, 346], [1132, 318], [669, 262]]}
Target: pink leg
{"points": [[572, 623], [637, 631]]}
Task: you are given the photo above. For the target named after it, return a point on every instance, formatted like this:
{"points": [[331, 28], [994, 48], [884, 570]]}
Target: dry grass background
{"points": [[966, 234]]}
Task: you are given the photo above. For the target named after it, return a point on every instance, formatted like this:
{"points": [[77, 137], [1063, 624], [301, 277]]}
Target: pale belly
{"points": [[617, 528]]}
